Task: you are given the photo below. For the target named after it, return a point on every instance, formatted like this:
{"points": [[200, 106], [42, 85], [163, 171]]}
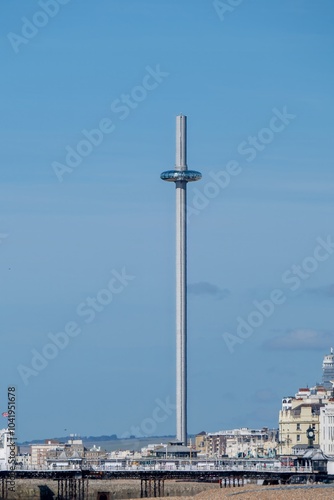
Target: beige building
{"points": [[298, 413], [310, 407], [94, 455], [40, 452], [211, 445], [236, 443], [294, 422]]}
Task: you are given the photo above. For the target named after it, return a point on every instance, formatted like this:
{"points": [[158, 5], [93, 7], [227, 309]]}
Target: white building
{"points": [[4, 449], [251, 443], [287, 403], [327, 429]]}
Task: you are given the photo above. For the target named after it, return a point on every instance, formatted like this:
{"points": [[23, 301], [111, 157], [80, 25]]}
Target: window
{"points": [[298, 437], [298, 427]]}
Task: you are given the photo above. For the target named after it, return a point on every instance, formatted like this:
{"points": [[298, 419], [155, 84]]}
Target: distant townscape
{"points": [[304, 437]]}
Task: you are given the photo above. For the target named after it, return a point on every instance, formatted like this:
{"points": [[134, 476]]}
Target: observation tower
{"points": [[181, 176]]}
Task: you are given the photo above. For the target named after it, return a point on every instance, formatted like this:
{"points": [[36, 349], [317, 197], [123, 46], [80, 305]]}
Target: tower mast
{"points": [[181, 176]]}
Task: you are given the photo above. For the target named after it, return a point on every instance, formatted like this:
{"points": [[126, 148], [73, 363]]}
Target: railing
{"points": [[245, 468], [161, 466]]}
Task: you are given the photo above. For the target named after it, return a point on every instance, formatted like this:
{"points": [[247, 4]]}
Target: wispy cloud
{"points": [[265, 396], [301, 339], [206, 288], [322, 291]]}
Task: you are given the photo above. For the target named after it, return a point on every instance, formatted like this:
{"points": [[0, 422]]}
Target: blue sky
{"points": [[63, 237]]}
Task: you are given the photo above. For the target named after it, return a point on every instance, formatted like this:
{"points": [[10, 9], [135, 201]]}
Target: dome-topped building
{"points": [[328, 370]]}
